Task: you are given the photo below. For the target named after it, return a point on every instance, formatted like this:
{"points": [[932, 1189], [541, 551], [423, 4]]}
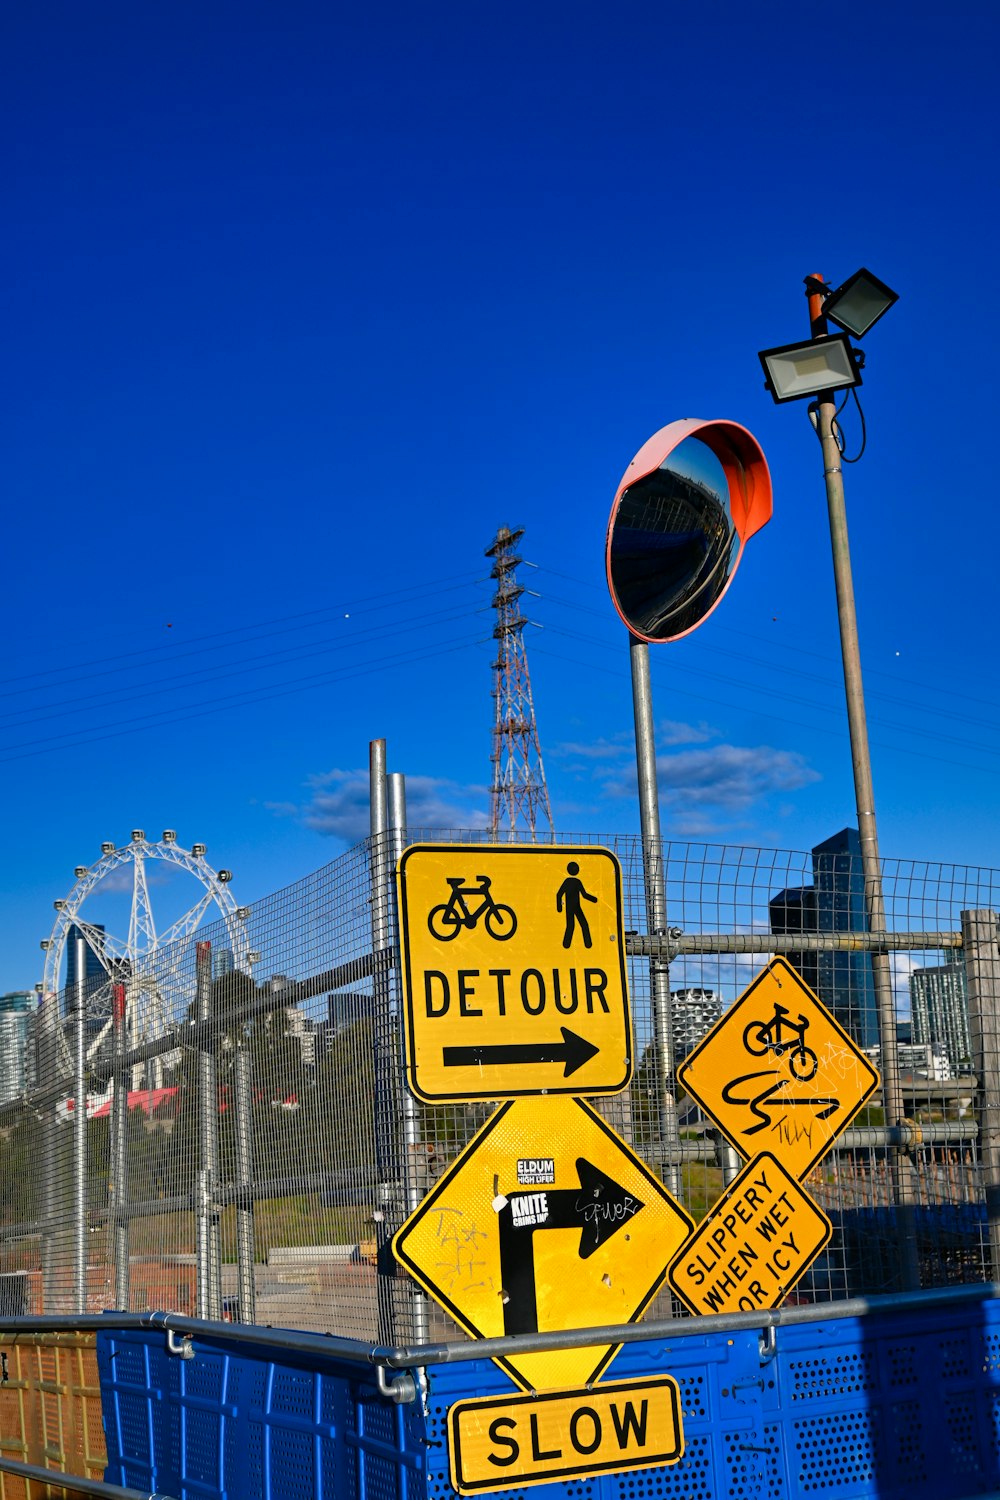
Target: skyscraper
{"points": [[16, 1010], [93, 970], [835, 902], [939, 1003], [846, 981], [793, 911]]}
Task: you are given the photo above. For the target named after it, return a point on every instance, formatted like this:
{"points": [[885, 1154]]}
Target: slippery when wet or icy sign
{"points": [[514, 972], [760, 1238], [546, 1221]]}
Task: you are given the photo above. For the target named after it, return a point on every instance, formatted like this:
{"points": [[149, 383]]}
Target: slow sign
{"points": [[505, 1441]]}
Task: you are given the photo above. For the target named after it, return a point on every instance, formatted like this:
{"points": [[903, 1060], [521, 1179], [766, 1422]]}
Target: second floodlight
{"points": [[859, 302], [824, 364]]}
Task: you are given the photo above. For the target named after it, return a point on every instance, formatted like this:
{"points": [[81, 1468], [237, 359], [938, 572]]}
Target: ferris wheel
{"points": [[154, 967]]}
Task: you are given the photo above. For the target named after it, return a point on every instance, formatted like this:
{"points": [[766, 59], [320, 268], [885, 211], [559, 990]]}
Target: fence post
{"points": [[982, 972], [48, 1020], [119, 1150], [207, 1253], [415, 1179], [386, 1045], [80, 1216], [246, 1248]]}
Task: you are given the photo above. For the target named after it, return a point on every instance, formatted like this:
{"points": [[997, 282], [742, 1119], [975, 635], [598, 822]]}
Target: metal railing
{"points": [[271, 1114]]}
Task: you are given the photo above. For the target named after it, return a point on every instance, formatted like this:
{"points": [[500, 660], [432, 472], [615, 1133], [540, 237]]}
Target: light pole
{"points": [[795, 371], [687, 504]]}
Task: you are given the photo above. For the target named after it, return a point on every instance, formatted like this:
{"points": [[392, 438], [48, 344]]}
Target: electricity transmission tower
{"points": [[520, 795]]}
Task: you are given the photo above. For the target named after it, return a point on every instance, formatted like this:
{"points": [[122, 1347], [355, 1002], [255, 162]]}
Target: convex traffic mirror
{"points": [[686, 505]]}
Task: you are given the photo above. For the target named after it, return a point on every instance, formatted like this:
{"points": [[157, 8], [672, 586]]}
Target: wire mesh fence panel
{"points": [[252, 1160]]}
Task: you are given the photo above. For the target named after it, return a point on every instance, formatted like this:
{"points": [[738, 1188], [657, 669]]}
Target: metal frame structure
{"points": [[146, 962], [520, 795]]}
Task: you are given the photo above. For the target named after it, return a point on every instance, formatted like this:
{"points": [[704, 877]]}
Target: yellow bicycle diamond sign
{"points": [[779, 1073], [514, 976]]}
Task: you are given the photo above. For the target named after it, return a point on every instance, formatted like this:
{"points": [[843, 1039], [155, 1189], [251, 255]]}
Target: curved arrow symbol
{"points": [[573, 1051], [598, 1208]]}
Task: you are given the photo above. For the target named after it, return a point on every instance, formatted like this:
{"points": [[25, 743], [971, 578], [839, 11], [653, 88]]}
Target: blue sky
{"points": [[304, 302]]}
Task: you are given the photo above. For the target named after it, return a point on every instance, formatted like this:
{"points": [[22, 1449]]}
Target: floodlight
{"points": [[859, 302], [823, 364]]}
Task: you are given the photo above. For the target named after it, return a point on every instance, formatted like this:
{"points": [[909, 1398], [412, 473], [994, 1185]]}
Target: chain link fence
{"points": [[252, 1162]]}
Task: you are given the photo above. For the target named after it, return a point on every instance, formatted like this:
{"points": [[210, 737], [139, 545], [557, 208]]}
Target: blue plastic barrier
{"points": [[894, 1405], [235, 1424]]}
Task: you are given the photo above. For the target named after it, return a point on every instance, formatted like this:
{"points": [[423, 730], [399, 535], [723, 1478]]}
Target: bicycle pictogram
{"points": [[447, 920], [780, 1035]]}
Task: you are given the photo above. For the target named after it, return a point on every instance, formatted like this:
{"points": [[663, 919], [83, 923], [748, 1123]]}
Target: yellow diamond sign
{"points": [[546, 1221], [779, 1073], [753, 1246], [514, 977]]}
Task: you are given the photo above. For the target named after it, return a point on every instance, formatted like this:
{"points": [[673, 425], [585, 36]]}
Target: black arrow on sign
{"points": [[598, 1208], [573, 1051]]}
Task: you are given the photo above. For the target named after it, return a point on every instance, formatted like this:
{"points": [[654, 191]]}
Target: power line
{"points": [[113, 696], [371, 600], [223, 705]]}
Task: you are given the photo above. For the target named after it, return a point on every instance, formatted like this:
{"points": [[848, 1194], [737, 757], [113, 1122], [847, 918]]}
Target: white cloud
{"points": [[338, 804], [902, 965], [698, 785], [674, 732], [601, 749]]}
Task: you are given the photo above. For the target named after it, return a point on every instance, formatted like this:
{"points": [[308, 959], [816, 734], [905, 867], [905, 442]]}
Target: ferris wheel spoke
{"points": [[105, 947], [187, 923]]}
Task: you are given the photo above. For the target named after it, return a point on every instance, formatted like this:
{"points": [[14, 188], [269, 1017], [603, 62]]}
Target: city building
{"points": [[693, 1013], [793, 911], [223, 962], [835, 902], [94, 974], [16, 1011], [939, 1007]]}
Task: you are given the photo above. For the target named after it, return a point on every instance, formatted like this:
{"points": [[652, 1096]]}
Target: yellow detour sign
{"points": [[506, 1441], [546, 1221], [759, 1239], [513, 971], [778, 1072]]}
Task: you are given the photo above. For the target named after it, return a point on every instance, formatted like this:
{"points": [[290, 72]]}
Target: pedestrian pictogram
{"points": [[547, 1220], [778, 1072], [499, 1442], [514, 973], [568, 897], [755, 1244]]}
